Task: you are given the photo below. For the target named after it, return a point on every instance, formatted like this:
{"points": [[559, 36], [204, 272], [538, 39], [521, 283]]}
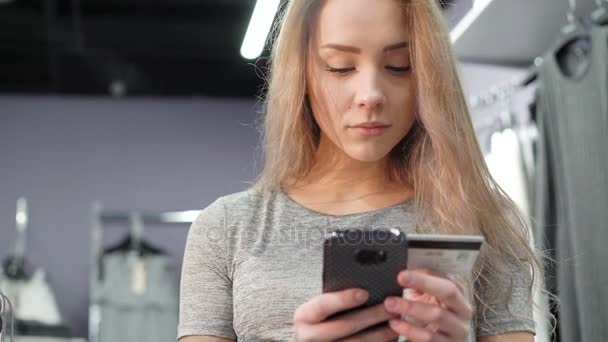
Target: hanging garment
{"points": [[506, 164], [571, 189], [32, 298], [6, 318], [136, 298], [523, 107]]}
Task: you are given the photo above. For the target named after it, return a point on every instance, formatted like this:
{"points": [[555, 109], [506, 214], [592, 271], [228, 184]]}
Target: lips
{"points": [[371, 125], [370, 129]]}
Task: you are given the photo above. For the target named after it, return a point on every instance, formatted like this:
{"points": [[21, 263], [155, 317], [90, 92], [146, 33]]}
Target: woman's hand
{"points": [[310, 322], [441, 306]]}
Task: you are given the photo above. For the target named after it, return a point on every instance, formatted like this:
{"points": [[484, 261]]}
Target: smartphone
{"points": [[367, 259]]}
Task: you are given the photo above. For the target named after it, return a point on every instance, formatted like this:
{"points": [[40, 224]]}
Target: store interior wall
{"points": [[146, 154]]}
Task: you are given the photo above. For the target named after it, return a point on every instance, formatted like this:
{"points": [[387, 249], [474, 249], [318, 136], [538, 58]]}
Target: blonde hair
{"points": [[440, 157]]}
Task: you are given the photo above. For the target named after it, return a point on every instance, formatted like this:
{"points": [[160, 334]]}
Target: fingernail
{"points": [[391, 303], [405, 277], [361, 295]]}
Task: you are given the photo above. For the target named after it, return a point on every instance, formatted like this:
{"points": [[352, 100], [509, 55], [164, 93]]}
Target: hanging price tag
{"points": [[138, 276]]}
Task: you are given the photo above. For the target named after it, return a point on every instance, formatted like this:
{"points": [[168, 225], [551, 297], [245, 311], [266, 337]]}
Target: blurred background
{"points": [[120, 119]]}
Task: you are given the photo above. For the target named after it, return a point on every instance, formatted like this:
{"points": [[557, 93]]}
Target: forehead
{"points": [[360, 22]]}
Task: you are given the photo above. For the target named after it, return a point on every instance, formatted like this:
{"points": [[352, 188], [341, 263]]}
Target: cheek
{"points": [[334, 94], [405, 104], [330, 105]]}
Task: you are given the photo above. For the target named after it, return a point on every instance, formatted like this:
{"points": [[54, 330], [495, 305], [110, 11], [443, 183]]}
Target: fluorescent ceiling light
{"points": [[180, 216], [478, 7], [259, 27]]}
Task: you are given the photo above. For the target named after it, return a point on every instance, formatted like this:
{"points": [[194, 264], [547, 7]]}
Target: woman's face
{"points": [[359, 77]]}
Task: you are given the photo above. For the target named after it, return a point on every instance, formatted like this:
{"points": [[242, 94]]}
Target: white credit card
{"points": [[454, 255], [451, 254]]}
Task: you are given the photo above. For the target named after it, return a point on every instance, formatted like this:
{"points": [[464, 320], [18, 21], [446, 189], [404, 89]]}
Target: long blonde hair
{"points": [[440, 157]]}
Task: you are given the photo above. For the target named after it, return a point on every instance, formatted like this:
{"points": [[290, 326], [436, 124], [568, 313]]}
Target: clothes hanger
{"points": [[126, 245], [530, 77], [600, 15], [134, 240], [573, 47], [14, 268], [531, 74], [132, 244]]}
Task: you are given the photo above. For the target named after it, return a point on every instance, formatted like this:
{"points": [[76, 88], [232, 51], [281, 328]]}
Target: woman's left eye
{"points": [[341, 71], [398, 69]]}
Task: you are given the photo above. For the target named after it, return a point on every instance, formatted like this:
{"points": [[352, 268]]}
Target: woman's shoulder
{"points": [[251, 196], [240, 204]]}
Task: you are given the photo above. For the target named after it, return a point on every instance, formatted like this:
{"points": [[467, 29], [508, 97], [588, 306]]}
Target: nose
{"points": [[370, 94]]}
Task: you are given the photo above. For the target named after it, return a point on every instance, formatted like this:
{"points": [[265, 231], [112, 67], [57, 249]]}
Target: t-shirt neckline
{"points": [[288, 199]]}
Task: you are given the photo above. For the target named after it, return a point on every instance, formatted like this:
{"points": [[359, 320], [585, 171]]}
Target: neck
{"points": [[341, 177]]}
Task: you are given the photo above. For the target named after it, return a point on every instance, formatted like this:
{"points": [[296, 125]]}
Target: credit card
{"points": [[453, 255]]}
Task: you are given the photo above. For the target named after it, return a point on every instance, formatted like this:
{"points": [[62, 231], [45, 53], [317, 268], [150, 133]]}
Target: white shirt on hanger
{"points": [[505, 162], [32, 299]]}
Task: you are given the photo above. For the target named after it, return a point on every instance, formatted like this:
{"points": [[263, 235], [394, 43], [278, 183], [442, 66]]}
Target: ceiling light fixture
{"points": [[259, 27], [467, 21]]}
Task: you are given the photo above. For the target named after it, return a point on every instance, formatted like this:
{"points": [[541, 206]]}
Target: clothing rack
{"points": [[15, 263], [6, 318], [503, 91], [498, 94], [501, 94], [494, 95], [21, 219], [14, 268], [136, 221]]}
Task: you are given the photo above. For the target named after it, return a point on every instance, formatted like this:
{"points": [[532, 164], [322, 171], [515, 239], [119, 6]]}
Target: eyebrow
{"points": [[352, 49]]}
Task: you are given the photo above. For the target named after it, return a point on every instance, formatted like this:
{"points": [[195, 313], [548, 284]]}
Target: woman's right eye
{"points": [[340, 70]]}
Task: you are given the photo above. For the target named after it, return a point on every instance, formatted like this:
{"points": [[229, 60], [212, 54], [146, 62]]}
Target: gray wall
{"points": [[63, 153]]}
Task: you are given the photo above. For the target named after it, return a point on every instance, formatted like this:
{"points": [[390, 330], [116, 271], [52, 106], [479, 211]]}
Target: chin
{"points": [[367, 154]]}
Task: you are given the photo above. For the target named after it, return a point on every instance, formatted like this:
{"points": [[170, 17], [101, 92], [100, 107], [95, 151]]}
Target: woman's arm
{"points": [[205, 311], [512, 337]]}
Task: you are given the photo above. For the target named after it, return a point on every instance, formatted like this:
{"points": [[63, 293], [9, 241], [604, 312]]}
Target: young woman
{"points": [[365, 125]]}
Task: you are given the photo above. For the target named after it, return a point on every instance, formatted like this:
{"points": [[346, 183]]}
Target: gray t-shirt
{"points": [[253, 257]]}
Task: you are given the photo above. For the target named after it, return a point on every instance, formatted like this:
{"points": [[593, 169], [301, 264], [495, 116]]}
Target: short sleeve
{"points": [[206, 287], [511, 310]]}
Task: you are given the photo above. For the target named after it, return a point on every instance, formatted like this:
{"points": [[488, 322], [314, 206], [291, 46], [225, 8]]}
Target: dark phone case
{"points": [[352, 258]]}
